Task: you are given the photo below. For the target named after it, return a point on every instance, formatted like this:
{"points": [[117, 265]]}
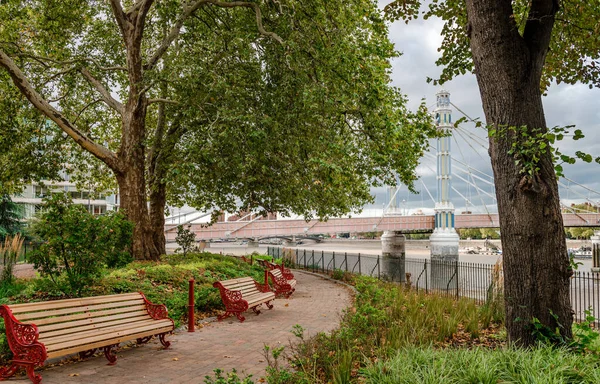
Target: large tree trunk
{"points": [[132, 179], [536, 266]]}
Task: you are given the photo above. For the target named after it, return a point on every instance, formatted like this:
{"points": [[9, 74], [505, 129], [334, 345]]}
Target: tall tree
{"points": [[515, 48], [10, 217], [272, 105]]}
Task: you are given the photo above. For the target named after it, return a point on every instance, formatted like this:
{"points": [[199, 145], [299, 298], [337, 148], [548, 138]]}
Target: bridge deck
{"points": [[416, 223]]}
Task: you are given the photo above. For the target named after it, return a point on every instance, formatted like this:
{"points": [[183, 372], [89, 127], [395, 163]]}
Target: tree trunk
{"points": [[132, 191], [508, 67], [158, 201]]}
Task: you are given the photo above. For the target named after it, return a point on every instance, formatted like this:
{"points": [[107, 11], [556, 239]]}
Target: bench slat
{"points": [[102, 343], [90, 320], [158, 324], [110, 329], [68, 329], [86, 315], [66, 311], [67, 303]]}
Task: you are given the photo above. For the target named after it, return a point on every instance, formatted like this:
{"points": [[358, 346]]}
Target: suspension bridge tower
{"points": [[444, 240]]}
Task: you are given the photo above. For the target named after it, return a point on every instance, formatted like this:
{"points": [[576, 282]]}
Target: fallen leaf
{"points": [[287, 305], [73, 374], [176, 359]]}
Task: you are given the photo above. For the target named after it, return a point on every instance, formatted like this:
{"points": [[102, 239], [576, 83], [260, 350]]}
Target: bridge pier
{"points": [[444, 258], [393, 251], [596, 251], [292, 242], [253, 243]]}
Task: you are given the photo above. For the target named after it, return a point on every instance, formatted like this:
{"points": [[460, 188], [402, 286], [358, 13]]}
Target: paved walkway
{"points": [[316, 305]]}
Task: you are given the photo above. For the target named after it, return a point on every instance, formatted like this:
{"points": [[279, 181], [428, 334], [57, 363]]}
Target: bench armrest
{"points": [[22, 338], [232, 299], [156, 311], [262, 287]]}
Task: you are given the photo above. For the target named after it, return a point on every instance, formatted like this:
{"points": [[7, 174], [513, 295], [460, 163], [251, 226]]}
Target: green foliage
{"points": [[585, 335], [302, 118], [230, 378], [428, 365], [185, 239], [9, 252], [383, 320], [10, 217], [77, 245], [574, 47]]}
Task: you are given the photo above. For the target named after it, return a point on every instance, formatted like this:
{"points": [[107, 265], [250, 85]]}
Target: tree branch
{"points": [[120, 16], [257, 11], [190, 9], [164, 101], [108, 99], [173, 33], [538, 28], [21, 82]]}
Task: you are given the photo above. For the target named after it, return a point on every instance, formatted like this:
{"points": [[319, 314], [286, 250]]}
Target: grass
{"points": [[543, 365]]}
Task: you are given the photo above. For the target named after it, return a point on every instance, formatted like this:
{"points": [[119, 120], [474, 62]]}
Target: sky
{"points": [[564, 105]]}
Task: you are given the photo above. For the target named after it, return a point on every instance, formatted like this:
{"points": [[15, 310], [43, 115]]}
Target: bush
{"points": [[77, 245], [185, 239]]}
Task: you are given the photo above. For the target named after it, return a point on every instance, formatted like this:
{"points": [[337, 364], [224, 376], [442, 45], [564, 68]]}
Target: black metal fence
{"points": [[475, 280]]}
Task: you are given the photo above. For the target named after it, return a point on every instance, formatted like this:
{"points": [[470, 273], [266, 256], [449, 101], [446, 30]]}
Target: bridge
{"points": [[475, 188], [251, 229]]}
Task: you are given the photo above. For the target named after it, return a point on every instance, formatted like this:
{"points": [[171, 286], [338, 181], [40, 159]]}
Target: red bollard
{"points": [[191, 307]]}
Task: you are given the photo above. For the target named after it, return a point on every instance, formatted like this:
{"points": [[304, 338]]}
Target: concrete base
{"points": [[444, 256], [253, 244], [290, 243], [393, 251]]}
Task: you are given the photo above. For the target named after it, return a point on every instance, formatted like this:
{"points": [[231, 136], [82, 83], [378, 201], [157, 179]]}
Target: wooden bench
{"points": [[270, 266], [40, 331], [281, 285], [239, 295]]}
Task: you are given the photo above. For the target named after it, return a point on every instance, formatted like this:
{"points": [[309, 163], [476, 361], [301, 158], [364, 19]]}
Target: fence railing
{"points": [[453, 278]]}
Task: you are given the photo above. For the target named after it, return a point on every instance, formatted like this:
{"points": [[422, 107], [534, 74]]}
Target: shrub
{"points": [[185, 239], [9, 252], [77, 245]]}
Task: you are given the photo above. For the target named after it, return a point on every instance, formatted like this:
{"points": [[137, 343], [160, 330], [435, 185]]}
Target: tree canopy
{"points": [[273, 106]]}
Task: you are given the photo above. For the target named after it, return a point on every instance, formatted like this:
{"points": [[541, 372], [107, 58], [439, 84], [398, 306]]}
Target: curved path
{"points": [[316, 305]]}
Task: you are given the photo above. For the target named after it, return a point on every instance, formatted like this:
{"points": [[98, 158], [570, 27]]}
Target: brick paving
{"points": [[316, 305]]}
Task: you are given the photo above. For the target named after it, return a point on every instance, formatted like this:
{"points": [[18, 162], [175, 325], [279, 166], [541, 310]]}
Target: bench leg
{"points": [[86, 354], [35, 379], [269, 305], [164, 342], [111, 357], [6, 372], [256, 310], [227, 314]]}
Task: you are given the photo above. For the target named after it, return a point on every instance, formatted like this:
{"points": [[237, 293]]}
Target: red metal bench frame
{"points": [[29, 353], [281, 285], [235, 303]]}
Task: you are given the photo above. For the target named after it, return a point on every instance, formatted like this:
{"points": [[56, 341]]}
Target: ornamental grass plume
{"points": [[9, 253]]}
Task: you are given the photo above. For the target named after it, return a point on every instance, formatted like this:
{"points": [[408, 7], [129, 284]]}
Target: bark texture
{"points": [[508, 67]]}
